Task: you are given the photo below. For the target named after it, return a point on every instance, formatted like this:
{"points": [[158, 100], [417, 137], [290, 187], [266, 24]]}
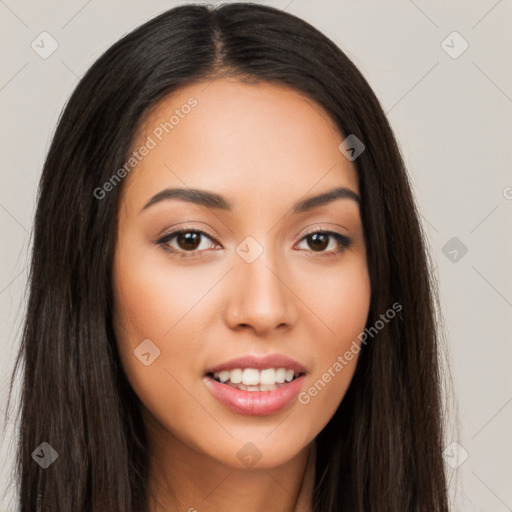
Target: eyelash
{"points": [[342, 240]]}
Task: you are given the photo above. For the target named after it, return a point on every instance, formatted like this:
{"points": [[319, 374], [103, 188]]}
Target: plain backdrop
{"points": [[451, 109]]}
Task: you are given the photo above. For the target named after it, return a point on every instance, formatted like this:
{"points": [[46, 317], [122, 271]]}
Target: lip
{"points": [[255, 403], [259, 363]]}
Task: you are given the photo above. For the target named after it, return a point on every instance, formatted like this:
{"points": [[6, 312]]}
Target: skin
{"points": [[263, 147]]}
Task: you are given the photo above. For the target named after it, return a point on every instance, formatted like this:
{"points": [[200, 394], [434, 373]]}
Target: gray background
{"points": [[452, 117]]}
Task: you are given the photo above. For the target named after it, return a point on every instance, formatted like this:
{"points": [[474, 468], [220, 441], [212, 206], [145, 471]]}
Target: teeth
{"points": [[268, 376], [262, 387], [251, 377], [235, 376], [280, 375], [256, 380], [224, 376], [268, 387]]}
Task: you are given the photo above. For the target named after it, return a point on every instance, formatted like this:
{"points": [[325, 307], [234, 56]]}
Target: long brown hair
{"points": [[381, 451]]}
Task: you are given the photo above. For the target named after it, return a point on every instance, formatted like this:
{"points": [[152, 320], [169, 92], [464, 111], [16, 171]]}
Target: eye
{"points": [[187, 240], [321, 240], [183, 241]]}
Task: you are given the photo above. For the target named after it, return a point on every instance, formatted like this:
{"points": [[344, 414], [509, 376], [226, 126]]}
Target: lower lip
{"points": [[255, 403]]}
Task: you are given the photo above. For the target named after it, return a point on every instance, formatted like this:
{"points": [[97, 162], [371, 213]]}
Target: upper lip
{"points": [[260, 363]]}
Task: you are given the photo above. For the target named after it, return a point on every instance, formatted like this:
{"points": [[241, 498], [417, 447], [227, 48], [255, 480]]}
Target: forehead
{"points": [[240, 139]]}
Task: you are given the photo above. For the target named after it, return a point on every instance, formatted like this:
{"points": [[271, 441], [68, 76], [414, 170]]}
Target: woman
{"points": [[230, 301]]}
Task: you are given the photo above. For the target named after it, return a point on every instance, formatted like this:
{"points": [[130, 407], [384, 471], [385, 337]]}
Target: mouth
{"points": [[256, 386], [252, 379]]}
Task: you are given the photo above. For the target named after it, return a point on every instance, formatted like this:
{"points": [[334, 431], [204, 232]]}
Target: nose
{"points": [[260, 297]]}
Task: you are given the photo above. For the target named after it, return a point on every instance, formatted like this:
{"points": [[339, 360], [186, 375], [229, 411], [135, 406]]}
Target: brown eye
{"points": [[186, 241], [318, 241]]}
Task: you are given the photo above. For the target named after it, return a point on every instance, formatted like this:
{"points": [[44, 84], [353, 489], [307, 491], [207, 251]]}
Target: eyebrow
{"points": [[216, 201]]}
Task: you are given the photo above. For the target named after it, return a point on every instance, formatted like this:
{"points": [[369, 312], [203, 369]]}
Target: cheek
{"points": [[348, 306], [342, 303], [147, 320], [340, 299], [153, 299], [155, 302]]}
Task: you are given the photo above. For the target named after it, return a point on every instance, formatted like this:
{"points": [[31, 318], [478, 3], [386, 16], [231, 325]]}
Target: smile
{"points": [[256, 385], [251, 379]]}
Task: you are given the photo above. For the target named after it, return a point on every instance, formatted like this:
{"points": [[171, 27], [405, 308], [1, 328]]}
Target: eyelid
{"points": [[318, 229], [173, 230]]}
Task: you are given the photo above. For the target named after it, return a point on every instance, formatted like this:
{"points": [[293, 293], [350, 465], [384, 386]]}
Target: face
{"points": [[255, 271]]}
